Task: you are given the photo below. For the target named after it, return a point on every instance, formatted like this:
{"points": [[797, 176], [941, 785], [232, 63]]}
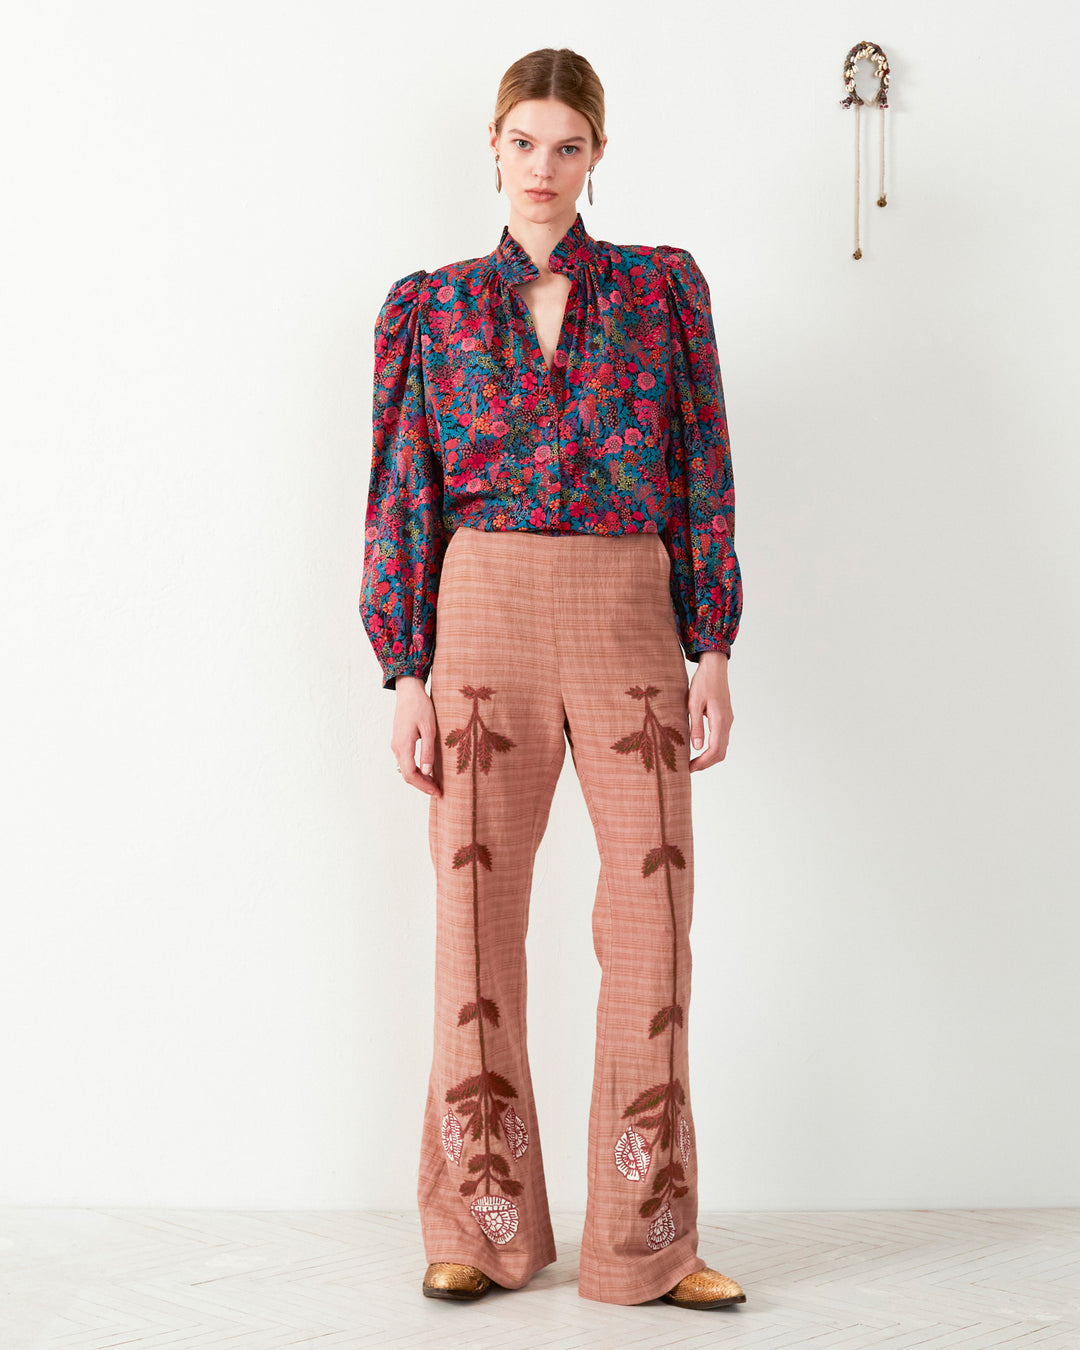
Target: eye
{"points": [[519, 140], [572, 148]]}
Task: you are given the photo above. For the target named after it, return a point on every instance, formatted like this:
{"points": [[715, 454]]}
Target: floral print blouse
{"points": [[626, 431]]}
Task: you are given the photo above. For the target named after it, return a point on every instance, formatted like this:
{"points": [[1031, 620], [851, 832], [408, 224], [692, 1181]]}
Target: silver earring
{"points": [[590, 184], [498, 176]]}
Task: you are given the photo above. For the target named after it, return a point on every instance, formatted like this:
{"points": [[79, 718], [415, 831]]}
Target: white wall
{"points": [[215, 978]]}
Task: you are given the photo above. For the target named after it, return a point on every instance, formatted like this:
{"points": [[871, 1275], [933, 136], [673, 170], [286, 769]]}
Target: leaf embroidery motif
{"points": [[657, 1107], [661, 1230], [483, 1099], [632, 1155], [517, 1136], [684, 1141], [451, 1136]]}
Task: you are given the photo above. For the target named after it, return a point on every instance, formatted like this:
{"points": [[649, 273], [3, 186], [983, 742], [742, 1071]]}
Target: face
{"points": [[545, 150]]}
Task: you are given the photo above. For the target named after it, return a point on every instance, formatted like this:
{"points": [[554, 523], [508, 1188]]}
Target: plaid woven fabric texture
{"points": [[546, 641]]}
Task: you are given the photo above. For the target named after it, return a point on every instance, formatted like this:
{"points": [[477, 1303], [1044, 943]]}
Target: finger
{"points": [[427, 746], [697, 729], [706, 758], [410, 773], [718, 746], [416, 779]]}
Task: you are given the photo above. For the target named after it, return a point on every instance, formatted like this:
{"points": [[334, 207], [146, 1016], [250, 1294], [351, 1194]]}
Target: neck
{"points": [[538, 238]]}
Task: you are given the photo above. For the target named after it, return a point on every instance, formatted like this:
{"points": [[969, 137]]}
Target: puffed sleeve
{"points": [[700, 532], [404, 534]]}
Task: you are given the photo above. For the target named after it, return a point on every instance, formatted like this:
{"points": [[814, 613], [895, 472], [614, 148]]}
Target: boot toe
{"points": [[448, 1279], [705, 1289]]}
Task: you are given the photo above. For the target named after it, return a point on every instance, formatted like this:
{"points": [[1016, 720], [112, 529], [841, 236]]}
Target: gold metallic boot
{"points": [[447, 1279], [705, 1289]]}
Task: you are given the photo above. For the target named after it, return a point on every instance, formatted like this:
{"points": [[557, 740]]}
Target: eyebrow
{"points": [[516, 131]]}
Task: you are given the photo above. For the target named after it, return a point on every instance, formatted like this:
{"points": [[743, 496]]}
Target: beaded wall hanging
{"points": [[866, 51]]}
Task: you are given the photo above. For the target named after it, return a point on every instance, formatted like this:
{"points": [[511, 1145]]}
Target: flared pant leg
{"points": [[499, 751], [625, 689], [541, 639]]}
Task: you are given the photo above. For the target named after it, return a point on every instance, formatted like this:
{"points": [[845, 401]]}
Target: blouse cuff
{"points": [[722, 645], [419, 669]]}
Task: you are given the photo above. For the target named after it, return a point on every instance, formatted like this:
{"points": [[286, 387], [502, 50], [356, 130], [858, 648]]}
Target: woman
{"points": [[549, 529]]}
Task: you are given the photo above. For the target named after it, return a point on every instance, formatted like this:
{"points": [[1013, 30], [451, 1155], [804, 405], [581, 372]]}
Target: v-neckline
{"points": [[536, 336]]}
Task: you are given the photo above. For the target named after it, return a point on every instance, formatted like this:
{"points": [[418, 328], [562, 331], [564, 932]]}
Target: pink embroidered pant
{"points": [[540, 640]]}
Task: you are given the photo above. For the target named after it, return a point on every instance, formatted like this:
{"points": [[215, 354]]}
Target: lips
{"points": [[540, 194]]}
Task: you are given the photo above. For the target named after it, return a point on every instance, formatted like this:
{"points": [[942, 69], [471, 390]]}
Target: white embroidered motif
{"points": [[496, 1216], [684, 1140], [632, 1155], [451, 1136], [661, 1230], [517, 1136]]}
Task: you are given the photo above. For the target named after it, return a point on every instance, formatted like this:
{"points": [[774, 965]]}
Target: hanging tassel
{"points": [[858, 190], [866, 51], [881, 185]]}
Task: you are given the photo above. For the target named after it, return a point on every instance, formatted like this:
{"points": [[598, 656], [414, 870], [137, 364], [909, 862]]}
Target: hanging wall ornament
{"points": [[866, 51]]}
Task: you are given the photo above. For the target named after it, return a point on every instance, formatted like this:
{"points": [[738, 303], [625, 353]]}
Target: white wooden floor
{"points": [[87, 1279]]}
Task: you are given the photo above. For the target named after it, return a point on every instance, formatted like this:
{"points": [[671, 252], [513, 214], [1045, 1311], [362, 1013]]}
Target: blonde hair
{"points": [[553, 72]]}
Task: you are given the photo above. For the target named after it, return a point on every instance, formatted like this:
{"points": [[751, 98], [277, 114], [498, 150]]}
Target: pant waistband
{"points": [[590, 548]]}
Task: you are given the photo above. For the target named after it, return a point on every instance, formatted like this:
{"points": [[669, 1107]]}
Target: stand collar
{"points": [[573, 252]]}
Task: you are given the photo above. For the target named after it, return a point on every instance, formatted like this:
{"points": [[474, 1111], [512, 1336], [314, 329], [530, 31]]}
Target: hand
{"points": [[709, 698], [414, 720]]}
